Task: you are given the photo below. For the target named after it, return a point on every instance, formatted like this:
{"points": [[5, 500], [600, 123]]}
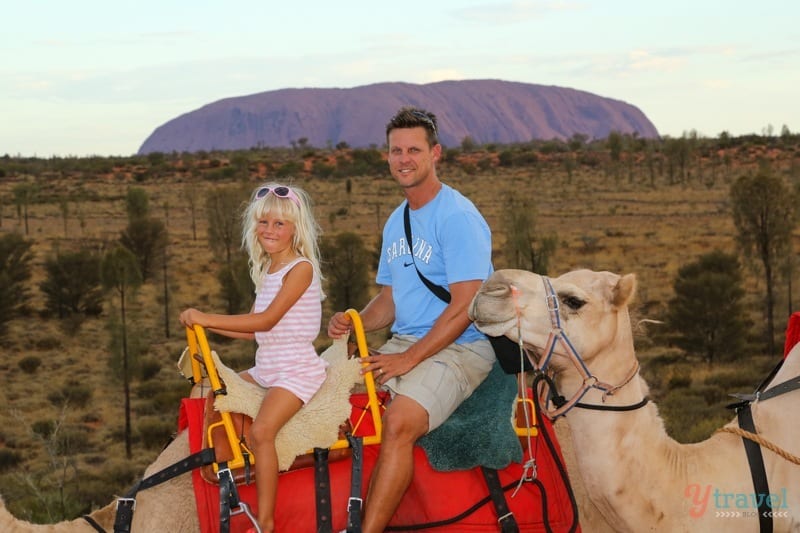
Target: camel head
{"points": [[592, 310]]}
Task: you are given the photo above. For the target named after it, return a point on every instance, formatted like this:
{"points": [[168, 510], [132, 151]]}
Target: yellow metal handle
{"points": [[198, 345], [369, 379]]}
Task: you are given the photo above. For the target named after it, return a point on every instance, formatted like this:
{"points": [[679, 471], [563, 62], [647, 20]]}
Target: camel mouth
{"points": [[492, 328]]}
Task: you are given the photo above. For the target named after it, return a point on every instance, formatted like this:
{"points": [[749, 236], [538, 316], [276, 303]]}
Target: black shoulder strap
{"points": [[438, 290]]}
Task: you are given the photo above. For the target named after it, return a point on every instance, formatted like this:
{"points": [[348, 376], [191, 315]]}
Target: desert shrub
{"points": [[47, 342], [72, 440], [712, 394], [732, 380], [704, 429], [45, 506], [120, 473], [158, 398], [149, 368], [682, 410], [155, 432], [30, 364], [9, 458], [73, 393], [679, 379], [43, 428]]}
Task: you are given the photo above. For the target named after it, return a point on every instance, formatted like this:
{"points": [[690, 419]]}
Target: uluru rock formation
{"points": [[488, 111]]}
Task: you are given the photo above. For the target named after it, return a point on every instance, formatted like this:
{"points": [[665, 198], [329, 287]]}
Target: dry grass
{"points": [[601, 222]]}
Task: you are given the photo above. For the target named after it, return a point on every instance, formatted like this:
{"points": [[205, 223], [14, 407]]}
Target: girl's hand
{"points": [[192, 316], [339, 325]]}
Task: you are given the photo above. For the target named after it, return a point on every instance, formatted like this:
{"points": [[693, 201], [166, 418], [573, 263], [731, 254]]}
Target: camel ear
{"points": [[624, 290]]}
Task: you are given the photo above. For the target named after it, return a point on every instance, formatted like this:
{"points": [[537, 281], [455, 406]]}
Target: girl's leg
{"points": [[278, 406]]}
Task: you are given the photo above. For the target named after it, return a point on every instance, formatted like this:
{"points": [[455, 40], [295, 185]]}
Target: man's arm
{"points": [[447, 328], [450, 324], [377, 314]]}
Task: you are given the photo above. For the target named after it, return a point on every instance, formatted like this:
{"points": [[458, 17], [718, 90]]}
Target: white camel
{"points": [[639, 478]]}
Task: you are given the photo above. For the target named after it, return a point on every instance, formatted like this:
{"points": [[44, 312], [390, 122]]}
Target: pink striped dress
{"points": [[286, 357]]}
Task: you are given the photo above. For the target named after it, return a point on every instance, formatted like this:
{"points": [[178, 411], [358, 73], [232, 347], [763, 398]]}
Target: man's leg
{"points": [[404, 422]]}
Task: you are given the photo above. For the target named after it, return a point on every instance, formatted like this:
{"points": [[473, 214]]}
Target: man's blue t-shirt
{"points": [[451, 242]]}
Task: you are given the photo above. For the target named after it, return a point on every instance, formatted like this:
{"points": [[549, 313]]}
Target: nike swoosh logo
{"points": [[408, 264]]}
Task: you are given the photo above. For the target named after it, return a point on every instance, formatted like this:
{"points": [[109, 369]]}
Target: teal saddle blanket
{"points": [[480, 431]]}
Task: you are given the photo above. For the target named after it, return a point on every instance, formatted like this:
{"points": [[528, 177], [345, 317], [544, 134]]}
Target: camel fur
{"points": [[638, 477]]}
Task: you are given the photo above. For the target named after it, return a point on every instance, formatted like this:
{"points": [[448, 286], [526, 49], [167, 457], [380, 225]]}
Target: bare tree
{"points": [[120, 272], [764, 216], [347, 270], [524, 249], [224, 208]]}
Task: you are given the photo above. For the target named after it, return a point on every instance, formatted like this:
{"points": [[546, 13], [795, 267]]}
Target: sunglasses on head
{"points": [[281, 192], [424, 118]]}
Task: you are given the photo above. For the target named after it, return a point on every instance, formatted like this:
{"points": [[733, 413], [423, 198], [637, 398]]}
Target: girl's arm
{"points": [[235, 334], [295, 283]]}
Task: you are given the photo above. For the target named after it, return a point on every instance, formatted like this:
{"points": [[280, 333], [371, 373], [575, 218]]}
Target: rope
{"points": [[761, 441]]}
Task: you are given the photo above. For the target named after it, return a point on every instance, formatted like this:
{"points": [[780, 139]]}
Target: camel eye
{"points": [[573, 302]]}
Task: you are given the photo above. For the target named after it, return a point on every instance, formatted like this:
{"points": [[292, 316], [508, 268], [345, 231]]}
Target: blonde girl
{"points": [[280, 236]]}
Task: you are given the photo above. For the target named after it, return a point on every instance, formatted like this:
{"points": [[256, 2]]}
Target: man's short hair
{"points": [[414, 117]]}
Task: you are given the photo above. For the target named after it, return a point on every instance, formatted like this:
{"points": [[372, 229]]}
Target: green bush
{"points": [[72, 440], [43, 428], [149, 368], [30, 364], [47, 342], [681, 378], [155, 432], [74, 394], [9, 458], [704, 429], [735, 380]]}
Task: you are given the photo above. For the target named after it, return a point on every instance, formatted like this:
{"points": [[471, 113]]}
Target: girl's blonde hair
{"points": [[304, 241]]}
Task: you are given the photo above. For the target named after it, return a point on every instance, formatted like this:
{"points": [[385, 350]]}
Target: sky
{"points": [[95, 78]]}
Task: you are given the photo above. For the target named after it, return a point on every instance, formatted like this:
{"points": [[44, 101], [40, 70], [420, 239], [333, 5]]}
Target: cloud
{"points": [[716, 84], [435, 75], [644, 60], [512, 12]]}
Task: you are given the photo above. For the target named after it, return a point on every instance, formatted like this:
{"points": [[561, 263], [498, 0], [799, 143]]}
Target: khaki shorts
{"points": [[441, 382]]}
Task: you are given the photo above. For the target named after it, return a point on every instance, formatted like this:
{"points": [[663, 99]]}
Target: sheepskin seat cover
{"points": [[316, 425]]}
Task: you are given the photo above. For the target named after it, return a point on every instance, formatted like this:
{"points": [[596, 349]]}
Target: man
{"points": [[435, 358]]}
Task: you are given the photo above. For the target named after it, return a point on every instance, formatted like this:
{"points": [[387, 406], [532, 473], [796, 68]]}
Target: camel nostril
{"points": [[497, 290]]}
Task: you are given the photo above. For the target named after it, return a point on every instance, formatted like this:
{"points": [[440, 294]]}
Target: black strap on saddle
{"points": [[756, 461], [438, 290], [505, 518], [322, 490], [127, 504], [92, 522], [355, 503], [228, 497], [752, 449]]}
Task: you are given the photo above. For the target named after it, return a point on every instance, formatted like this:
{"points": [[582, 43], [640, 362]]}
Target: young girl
{"points": [[280, 235]]}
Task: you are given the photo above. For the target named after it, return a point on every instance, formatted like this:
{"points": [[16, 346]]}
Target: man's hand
{"points": [[389, 366]]}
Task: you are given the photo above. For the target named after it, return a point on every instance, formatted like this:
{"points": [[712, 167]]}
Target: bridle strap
{"points": [[558, 337]]}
